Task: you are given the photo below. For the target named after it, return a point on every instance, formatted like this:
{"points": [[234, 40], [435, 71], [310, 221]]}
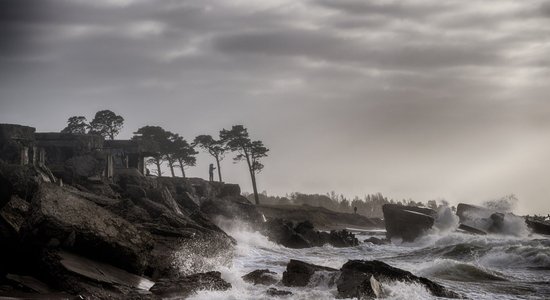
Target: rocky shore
{"points": [[134, 237]]}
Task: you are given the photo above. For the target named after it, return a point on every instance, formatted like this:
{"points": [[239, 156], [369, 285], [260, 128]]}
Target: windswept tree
{"points": [[155, 135], [237, 140], [106, 123], [180, 153], [76, 124], [216, 148]]}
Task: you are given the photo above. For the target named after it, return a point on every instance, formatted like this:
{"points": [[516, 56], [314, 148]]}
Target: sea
{"points": [[515, 265]]}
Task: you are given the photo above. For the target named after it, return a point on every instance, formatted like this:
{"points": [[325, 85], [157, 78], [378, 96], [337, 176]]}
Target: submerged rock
{"points": [[377, 241], [471, 229], [277, 293], [189, 285], [356, 279], [299, 273], [265, 277], [407, 222]]}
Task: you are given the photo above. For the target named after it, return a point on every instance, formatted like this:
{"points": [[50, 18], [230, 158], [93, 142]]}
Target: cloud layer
{"points": [[414, 99]]}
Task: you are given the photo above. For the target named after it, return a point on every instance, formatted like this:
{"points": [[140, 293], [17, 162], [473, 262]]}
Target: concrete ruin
{"points": [[17, 145], [129, 155], [72, 156]]}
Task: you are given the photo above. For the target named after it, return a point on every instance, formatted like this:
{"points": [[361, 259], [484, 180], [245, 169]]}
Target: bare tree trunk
{"points": [[256, 197], [253, 177], [219, 170], [157, 162], [171, 165], [182, 168]]}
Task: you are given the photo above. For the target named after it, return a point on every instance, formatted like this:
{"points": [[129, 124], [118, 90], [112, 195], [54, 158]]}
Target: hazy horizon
{"points": [[413, 99]]}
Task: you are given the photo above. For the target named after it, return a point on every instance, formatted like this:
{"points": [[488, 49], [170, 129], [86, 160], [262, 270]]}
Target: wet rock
{"points": [[497, 222], [377, 241], [537, 226], [189, 285], [355, 279], [407, 222], [282, 232], [299, 273], [304, 235], [342, 238], [83, 227], [273, 292], [471, 229], [265, 277], [102, 272]]}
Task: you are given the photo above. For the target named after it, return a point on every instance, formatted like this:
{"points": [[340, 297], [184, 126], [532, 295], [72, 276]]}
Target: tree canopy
{"points": [[216, 148], [158, 136], [106, 123], [238, 140], [76, 124]]}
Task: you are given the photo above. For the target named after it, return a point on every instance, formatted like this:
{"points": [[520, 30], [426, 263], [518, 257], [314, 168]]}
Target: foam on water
{"points": [[468, 264]]}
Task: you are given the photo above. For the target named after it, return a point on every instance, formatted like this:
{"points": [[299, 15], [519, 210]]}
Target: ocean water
{"points": [[512, 266]]}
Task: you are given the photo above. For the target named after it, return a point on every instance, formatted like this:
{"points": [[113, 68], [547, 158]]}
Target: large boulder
{"points": [[356, 279], [22, 181], [189, 285], [61, 218], [304, 235], [538, 226], [265, 277], [299, 273], [407, 222]]}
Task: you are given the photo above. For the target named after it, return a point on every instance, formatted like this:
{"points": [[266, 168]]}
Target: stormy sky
{"points": [[422, 99]]}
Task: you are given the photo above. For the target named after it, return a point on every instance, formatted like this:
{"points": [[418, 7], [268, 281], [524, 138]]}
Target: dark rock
{"points": [[264, 277], [304, 235], [273, 292], [497, 222], [282, 232], [30, 283], [14, 213], [232, 208], [231, 190], [377, 241], [471, 229], [102, 272], [355, 279], [407, 222], [189, 285], [58, 214], [537, 226], [299, 273], [22, 181], [342, 238]]}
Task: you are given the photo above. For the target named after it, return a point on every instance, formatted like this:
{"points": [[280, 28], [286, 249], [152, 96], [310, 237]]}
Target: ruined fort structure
{"points": [[70, 155]]}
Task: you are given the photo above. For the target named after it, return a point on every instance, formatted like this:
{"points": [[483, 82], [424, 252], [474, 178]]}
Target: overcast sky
{"points": [[421, 99]]}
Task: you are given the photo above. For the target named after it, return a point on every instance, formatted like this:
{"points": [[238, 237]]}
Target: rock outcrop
{"points": [[356, 279], [304, 235], [264, 277], [407, 222], [299, 273], [189, 285], [59, 218]]}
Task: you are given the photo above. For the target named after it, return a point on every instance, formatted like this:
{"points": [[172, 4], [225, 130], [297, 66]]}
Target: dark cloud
{"points": [[418, 99]]}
